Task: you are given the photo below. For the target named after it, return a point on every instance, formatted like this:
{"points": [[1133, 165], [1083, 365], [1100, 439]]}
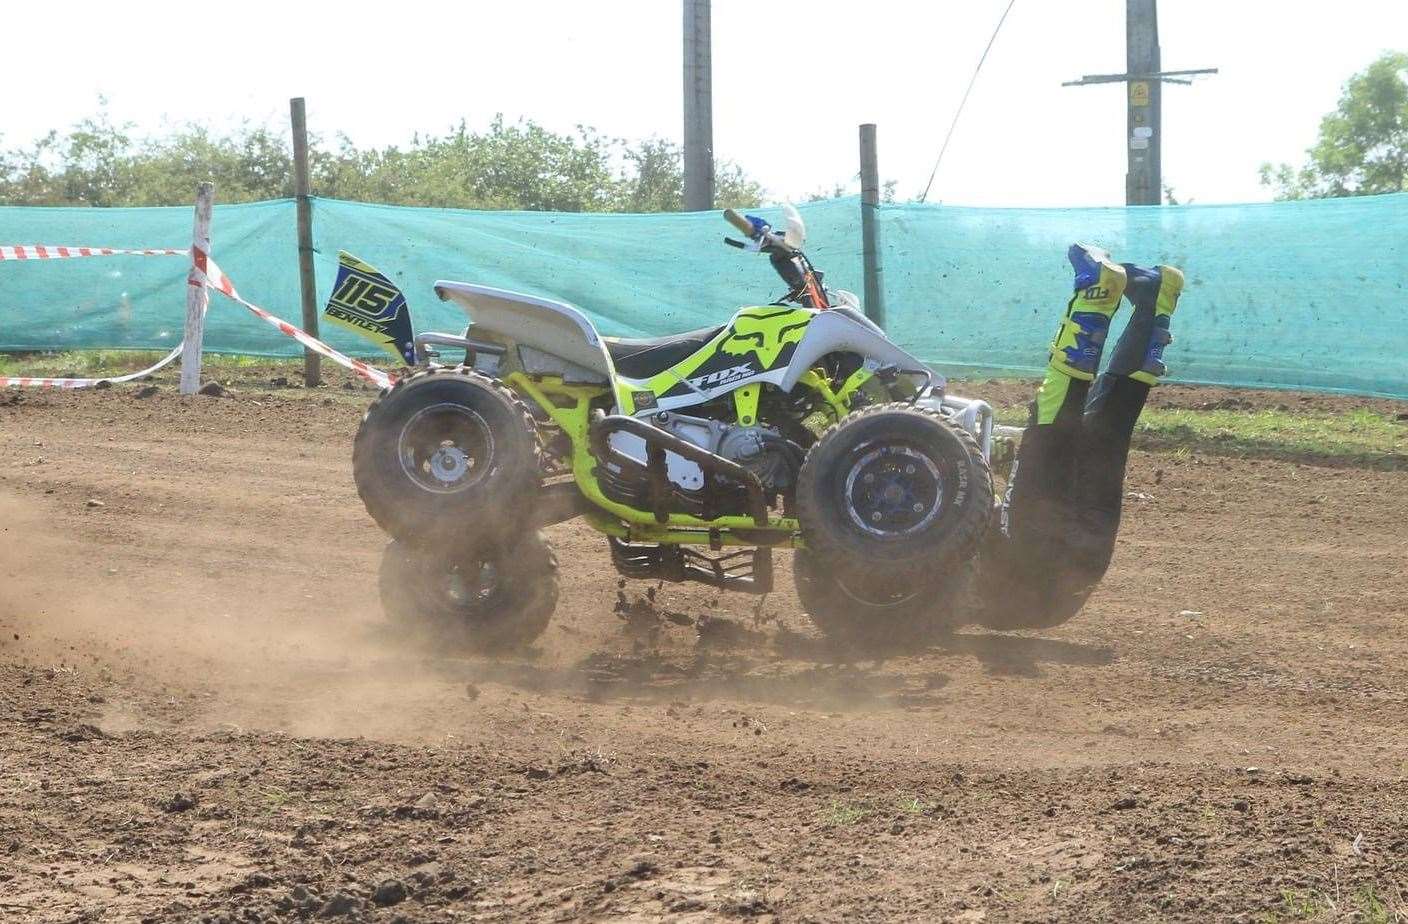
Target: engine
{"points": [[762, 450]]}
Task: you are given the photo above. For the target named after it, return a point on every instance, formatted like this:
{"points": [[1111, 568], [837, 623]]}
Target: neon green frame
{"points": [[638, 525]]}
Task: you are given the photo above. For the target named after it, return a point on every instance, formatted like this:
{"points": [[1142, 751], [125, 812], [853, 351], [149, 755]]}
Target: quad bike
{"points": [[796, 425]]}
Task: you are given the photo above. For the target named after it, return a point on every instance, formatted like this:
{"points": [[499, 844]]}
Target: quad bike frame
{"points": [[570, 407]]}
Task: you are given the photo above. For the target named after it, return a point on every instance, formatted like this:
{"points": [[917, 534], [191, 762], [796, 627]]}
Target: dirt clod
{"points": [[389, 892], [180, 802], [340, 905]]}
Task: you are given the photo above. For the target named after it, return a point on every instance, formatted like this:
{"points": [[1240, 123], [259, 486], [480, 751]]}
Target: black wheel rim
{"points": [[465, 591], [893, 491], [445, 448]]}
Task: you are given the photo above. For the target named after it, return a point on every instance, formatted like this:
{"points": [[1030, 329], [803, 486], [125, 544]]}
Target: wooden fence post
{"points": [[312, 373], [197, 295], [870, 226]]}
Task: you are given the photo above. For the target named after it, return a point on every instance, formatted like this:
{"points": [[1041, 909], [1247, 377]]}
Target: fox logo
{"points": [[722, 377], [765, 333]]}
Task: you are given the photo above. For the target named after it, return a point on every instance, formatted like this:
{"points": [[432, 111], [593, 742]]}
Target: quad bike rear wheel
{"points": [[493, 597], [894, 494], [446, 452], [868, 613]]}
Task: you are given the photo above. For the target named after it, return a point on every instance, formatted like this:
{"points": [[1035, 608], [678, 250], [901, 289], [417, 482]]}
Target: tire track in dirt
{"points": [[215, 625]]}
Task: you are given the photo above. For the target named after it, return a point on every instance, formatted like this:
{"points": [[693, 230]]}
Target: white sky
{"points": [[791, 80]]}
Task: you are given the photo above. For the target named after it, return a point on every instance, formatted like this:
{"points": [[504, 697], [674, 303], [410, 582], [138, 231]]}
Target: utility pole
{"points": [[698, 108], [1143, 183]]}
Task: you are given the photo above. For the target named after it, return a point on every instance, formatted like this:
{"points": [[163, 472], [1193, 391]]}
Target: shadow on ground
{"points": [[781, 668]]}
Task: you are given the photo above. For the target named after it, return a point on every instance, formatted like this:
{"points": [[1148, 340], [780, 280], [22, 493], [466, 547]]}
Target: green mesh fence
{"points": [[1285, 295]]}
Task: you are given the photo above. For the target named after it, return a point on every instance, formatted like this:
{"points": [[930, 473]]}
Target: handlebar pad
{"points": [[739, 222]]}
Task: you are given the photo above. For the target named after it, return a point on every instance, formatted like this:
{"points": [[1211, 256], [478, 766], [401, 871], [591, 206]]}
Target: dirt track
{"points": [[201, 712]]}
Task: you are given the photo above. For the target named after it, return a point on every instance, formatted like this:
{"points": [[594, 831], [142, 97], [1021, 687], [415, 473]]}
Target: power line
{"points": [[964, 101]]}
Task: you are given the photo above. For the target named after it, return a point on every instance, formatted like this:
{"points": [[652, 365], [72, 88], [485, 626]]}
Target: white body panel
{"points": [[837, 332], [541, 323], [828, 332]]}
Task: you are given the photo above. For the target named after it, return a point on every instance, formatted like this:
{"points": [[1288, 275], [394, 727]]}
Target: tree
{"points": [[840, 190], [519, 165], [654, 180], [1363, 145]]}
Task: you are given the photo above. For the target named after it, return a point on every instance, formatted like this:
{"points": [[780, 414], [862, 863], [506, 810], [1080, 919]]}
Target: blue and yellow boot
{"points": [[1139, 354], [1154, 294], [1075, 353]]}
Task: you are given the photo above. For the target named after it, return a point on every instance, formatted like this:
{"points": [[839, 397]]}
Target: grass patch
{"points": [[1363, 905], [94, 363], [1357, 437], [913, 805], [843, 814]]}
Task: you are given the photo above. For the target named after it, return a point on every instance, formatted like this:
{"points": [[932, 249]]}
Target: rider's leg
{"points": [[1045, 471], [1040, 573], [1116, 401], [1017, 578]]}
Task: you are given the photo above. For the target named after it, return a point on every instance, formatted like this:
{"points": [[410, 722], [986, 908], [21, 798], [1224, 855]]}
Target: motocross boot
{"points": [[1099, 283], [1139, 353]]}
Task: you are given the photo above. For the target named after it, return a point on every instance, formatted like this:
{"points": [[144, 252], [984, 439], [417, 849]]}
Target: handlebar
{"points": [[803, 282], [739, 222], [762, 235]]}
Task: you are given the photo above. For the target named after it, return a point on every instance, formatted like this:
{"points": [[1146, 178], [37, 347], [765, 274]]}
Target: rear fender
{"points": [[542, 324], [834, 332]]}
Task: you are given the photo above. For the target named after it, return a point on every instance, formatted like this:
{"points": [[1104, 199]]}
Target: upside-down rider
{"points": [[1061, 512]]}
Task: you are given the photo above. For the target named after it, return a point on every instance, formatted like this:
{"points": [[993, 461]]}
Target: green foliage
{"points": [[838, 190], [508, 166], [1363, 146], [841, 814]]}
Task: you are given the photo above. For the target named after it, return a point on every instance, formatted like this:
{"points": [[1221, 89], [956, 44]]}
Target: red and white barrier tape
{"points": [[24, 381], [50, 252], [204, 271], [55, 252], [216, 279]]}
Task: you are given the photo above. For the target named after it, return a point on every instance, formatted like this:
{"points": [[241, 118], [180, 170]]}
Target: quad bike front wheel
{"points": [[492, 597], [864, 612], [446, 453], [894, 494]]}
